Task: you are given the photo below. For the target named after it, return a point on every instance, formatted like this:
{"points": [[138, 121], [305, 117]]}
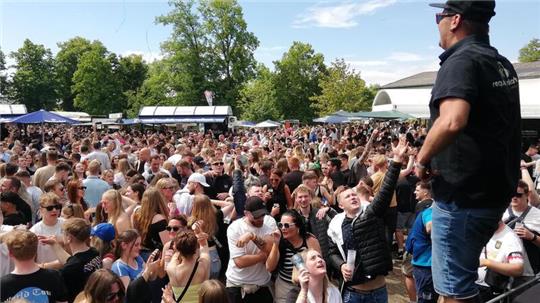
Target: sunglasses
{"points": [[519, 195], [82, 187], [440, 16], [285, 225], [170, 187], [51, 207], [217, 163], [172, 228]]}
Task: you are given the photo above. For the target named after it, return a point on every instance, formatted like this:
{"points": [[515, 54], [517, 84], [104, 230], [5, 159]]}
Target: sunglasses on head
{"points": [[285, 225], [440, 16], [51, 207], [172, 228]]}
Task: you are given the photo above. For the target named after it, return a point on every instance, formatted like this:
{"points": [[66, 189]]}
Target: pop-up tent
{"points": [[267, 124], [43, 116], [332, 119]]}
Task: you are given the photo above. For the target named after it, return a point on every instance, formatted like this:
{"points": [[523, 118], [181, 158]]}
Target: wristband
{"points": [[535, 237]]}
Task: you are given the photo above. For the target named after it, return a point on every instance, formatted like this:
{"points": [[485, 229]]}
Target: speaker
{"points": [[231, 120]]}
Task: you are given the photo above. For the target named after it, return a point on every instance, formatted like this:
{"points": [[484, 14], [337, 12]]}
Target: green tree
{"points": [[34, 82], [67, 59], [155, 89], [132, 72], [530, 52], [258, 98], [96, 86], [297, 80], [231, 48], [210, 48], [3, 76], [342, 88]]}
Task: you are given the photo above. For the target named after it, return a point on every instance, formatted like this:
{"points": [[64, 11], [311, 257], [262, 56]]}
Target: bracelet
{"points": [[534, 238]]}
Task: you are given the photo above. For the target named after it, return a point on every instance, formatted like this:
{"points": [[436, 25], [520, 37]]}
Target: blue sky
{"points": [[384, 40]]}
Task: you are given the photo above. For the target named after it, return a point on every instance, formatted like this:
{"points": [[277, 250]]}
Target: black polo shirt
{"points": [[480, 168]]}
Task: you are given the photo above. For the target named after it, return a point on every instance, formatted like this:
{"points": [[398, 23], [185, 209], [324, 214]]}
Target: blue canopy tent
{"points": [[332, 120], [43, 116]]}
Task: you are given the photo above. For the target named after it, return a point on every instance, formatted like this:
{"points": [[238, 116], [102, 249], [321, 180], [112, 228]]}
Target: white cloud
{"points": [[149, 57], [360, 64], [343, 15], [404, 57]]}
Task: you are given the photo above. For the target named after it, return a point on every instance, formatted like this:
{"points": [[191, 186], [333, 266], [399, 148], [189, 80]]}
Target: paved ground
{"points": [[396, 285]]}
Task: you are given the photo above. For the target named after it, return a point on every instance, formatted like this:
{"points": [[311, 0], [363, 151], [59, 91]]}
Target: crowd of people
{"points": [[152, 216]]}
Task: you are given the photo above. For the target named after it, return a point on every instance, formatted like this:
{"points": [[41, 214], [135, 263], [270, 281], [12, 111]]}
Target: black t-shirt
{"points": [[77, 270], [406, 200], [480, 168], [293, 179], [45, 285], [14, 219], [339, 179], [218, 184]]}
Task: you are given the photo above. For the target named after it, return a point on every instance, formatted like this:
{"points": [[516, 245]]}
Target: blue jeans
{"points": [[458, 236], [379, 295], [423, 281], [215, 265]]}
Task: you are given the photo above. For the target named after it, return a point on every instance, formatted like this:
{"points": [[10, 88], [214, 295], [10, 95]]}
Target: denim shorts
{"points": [[458, 236]]}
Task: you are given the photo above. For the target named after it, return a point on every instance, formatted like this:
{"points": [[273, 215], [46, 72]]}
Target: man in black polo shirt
{"points": [[473, 145]]}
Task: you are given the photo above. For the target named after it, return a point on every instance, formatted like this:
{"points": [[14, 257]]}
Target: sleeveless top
{"points": [[286, 252], [191, 296]]}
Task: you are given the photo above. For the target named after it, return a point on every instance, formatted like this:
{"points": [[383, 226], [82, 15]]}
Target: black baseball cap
{"points": [[481, 10], [256, 207]]}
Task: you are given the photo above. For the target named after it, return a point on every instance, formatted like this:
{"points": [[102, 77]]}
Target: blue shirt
{"points": [[123, 270], [95, 187], [421, 240]]}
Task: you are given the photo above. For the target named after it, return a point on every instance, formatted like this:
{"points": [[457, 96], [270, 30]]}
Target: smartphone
{"points": [[298, 262]]}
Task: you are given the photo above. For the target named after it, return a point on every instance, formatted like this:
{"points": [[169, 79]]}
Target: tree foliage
{"points": [[66, 61], [530, 52], [34, 82], [96, 86], [210, 49], [258, 97], [3, 75], [297, 80], [342, 88]]}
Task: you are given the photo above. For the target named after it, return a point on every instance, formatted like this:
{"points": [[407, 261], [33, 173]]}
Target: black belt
{"points": [[364, 292]]}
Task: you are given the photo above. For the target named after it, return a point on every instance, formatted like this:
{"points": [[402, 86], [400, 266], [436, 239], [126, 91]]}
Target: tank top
{"points": [[286, 253]]}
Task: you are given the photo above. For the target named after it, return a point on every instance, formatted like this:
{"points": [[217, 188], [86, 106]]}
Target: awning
{"points": [[182, 120]]}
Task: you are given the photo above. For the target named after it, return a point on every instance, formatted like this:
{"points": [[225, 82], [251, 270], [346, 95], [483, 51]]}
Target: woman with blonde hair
{"points": [[203, 210], [150, 220], [72, 210], [121, 172], [111, 202], [313, 281]]}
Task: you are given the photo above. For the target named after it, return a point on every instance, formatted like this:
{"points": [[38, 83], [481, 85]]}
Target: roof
{"points": [[526, 70], [12, 110], [185, 111]]}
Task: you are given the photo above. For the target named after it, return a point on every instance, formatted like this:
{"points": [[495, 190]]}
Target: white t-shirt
{"points": [[184, 202], [45, 253], [334, 296], [256, 274], [531, 221], [506, 247], [6, 264]]}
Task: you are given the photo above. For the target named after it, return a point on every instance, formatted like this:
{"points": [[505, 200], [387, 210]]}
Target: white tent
{"points": [[267, 124]]}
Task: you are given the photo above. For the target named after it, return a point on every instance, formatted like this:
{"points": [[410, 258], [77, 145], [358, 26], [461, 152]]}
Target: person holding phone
{"points": [[315, 287]]}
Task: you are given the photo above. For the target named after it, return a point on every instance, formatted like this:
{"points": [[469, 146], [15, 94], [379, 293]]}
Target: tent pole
{"points": [[42, 135]]}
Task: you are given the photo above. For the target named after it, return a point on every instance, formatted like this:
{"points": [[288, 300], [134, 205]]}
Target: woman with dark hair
{"points": [[281, 199], [291, 239], [75, 193], [103, 286], [191, 259], [129, 264]]}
